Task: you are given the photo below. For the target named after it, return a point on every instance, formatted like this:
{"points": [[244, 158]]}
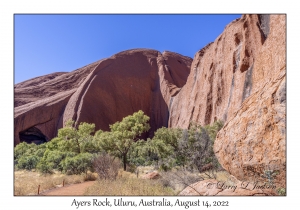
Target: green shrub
{"points": [[54, 158], [22, 149], [189, 148], [40, 150], [70, 151], [28, 153], [44, 167], [78, 164], [28, 162]]}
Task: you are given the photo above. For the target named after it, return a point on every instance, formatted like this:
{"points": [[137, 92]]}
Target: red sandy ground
{"points": [[74, 189]]}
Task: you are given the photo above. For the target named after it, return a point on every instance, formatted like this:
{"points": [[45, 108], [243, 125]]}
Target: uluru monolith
{"points": [[102, 93], [240, 78]]}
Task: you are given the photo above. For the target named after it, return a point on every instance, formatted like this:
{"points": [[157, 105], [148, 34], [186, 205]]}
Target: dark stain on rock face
{"points": [[247, 84], [264, 26], [209, 101]]}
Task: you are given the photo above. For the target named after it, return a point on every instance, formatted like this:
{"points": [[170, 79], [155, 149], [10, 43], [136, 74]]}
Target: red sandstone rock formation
{"points": [[221, 75], [127, 82], [46, 86], [101, 93], [40, 103], [240, 79], [253, 139]]}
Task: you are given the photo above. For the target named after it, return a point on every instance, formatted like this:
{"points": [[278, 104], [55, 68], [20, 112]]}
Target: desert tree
{"points": [[122, 135], [77, 140]]}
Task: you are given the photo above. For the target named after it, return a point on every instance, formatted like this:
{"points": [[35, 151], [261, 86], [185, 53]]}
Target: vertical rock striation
{"points": [[221, 75]]}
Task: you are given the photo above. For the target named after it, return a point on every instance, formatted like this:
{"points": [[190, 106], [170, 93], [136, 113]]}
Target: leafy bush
{"points": [[28, 154], [196, 147], [78, 164], [69, 151], [76, 140], [189, 148], [28, 162], [20, 150], [44, 167]]}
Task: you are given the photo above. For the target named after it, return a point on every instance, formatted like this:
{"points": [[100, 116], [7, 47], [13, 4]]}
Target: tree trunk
{"points": [[78, 145], [124, 161]]}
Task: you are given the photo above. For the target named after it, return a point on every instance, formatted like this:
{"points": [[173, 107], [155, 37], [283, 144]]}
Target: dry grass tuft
{"points": [[127, 183], [125, 175], [129, 186]]}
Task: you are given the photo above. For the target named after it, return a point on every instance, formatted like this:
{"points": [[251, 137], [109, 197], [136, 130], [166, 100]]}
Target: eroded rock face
{"points": [[43, 115], [49, 85], [40, 103], [252, 143], [221, 74], [253, 140], [102, 93]]}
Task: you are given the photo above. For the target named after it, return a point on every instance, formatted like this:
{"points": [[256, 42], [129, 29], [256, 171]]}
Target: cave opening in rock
{"points": [[32, 135]]}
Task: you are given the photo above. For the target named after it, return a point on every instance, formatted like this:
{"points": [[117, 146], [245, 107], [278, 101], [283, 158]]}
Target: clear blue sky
{"points": [[61, 43]]}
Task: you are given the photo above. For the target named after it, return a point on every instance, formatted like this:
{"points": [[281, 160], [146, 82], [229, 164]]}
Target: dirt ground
{"points": [[74, 189]]}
